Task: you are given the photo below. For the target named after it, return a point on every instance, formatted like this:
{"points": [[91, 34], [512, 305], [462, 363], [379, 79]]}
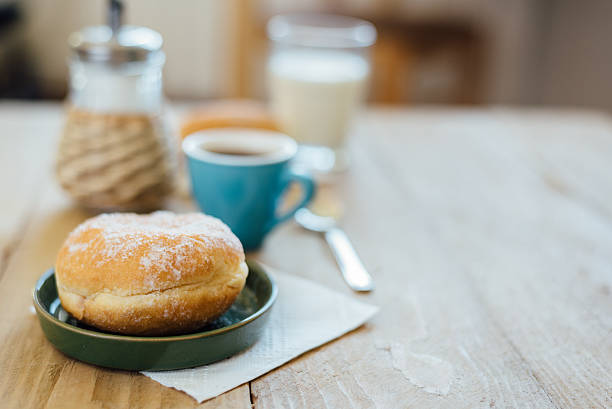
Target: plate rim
{"points": [[171, 338]]}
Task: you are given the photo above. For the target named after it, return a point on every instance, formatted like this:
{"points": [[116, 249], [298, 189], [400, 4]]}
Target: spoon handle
{"points": [[353, 271]]}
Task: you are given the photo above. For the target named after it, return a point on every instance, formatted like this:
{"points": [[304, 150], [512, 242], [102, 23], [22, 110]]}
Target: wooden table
{"points": [[489, 234]]}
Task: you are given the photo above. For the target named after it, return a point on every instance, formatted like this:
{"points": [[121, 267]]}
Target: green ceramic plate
{"points": [[231, 333]]}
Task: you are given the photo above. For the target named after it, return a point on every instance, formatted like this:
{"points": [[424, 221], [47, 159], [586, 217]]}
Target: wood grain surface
{"points": [[488, 233]]}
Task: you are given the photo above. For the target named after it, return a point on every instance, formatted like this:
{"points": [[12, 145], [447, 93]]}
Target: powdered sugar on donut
{"points": [[74, 247], [121, 235]]}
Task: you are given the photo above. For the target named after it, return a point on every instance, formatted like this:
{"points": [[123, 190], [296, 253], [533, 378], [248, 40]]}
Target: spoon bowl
{"points": [[314, 222]]}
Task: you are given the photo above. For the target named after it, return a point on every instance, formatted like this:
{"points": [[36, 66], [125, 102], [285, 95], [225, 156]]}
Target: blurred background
{"points": [[531, 52]]}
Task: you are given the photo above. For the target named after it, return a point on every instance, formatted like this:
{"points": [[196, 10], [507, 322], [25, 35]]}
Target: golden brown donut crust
{"points": [[154, 274]]}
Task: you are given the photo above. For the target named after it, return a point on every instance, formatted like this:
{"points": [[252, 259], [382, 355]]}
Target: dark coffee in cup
{"points": [[231, 148], [235, 151]]}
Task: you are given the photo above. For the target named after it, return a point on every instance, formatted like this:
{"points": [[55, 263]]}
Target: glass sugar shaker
{"points": [[114, 153]]}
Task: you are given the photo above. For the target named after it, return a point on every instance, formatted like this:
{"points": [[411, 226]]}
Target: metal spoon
{"points": [[353, 271]]}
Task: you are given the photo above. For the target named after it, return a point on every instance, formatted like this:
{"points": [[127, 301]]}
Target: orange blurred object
{"points": [[243, 113]]}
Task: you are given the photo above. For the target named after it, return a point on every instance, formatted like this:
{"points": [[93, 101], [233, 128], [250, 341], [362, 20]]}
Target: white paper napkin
{"points": [[304, 316]]}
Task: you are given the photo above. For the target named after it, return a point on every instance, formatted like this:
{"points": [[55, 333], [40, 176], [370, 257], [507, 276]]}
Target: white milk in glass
{"points": [[315, 93]]}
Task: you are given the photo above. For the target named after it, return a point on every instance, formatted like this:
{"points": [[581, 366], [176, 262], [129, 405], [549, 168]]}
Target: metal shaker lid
{"points": [[116, 43]]}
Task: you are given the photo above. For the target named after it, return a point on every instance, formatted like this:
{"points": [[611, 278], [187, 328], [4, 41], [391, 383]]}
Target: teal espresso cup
{"points": [[239, 175]]}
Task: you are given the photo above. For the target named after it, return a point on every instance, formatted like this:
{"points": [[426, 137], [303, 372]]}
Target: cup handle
{"points": [[309, 189]]}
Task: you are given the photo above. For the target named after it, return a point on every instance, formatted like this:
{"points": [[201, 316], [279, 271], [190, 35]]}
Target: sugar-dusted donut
{"points": [[155, 274]]}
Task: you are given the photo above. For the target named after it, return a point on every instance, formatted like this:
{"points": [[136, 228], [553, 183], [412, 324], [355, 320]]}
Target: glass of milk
{"points": [[317, 78]]}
